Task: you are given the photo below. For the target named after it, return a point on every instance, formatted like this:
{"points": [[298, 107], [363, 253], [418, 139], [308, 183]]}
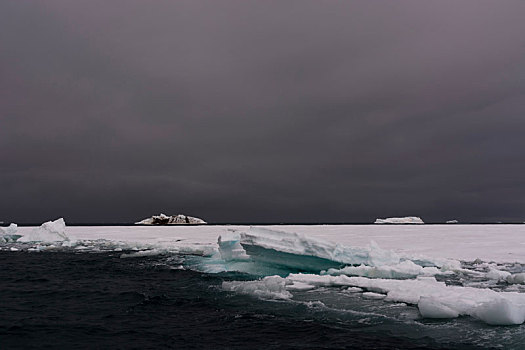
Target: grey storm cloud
{"points": [[262, 111]]}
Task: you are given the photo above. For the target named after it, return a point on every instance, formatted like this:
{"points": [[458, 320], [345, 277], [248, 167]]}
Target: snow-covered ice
{"points": [[271, 287], [434, 299], [498, 243], [402, 270], [50, 231], [8, 234], [299, 244]]}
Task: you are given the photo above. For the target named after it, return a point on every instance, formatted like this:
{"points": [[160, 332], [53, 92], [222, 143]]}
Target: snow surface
{"points": [[402, 220]]}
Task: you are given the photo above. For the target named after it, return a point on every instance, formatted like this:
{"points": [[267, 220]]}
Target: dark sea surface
{"points": [[87, 300]]}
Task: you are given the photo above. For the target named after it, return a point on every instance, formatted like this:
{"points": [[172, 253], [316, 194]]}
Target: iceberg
{"points": [[452, 221], [400, 220], [50, 231], [164, 219]]}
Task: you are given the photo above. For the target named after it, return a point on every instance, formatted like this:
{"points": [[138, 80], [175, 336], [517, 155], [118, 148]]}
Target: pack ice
{"points": [[287, 263], [378, 272]]}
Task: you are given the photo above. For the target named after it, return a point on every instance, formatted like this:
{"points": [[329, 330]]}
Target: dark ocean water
{"points": [[66, 300]]}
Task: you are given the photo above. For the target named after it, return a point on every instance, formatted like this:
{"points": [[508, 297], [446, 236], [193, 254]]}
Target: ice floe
{"points": [[256, 241], [50, 231], [230, 247], [435, 299], [402, 270], [270, 287], [517, 278], [9, 234]]}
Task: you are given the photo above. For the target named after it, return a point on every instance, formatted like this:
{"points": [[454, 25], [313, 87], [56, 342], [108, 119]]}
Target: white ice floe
{"points": [[504, 276], [270, 287], [372, 295], [164, 219], [10, 230], [403, 270], [498, 275], [452, 222], [8, 234], [297, 244], [517, 278], [400, 220], [230, 247], [51, 231], [435, 299]]}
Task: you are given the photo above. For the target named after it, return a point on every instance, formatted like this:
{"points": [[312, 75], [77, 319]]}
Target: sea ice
{"points": [[403, 275], [435, 299], [498, 275], [51, 231], [230, 247], [517, 278], [270, 287], [8, 235], [501, 311], [296, 244], [402, 220], [372, 295], [405, 269], [431, 308]]}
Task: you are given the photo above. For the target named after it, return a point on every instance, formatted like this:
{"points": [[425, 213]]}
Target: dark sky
{"points": [[262, 111]]}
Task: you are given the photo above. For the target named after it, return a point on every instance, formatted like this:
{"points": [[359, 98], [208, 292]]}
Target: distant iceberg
{"points": [[403, 220], [452, 221], [164, 219]]}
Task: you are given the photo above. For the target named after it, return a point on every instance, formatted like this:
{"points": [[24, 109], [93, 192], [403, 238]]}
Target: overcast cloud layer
{"points": [[262, 111]]}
